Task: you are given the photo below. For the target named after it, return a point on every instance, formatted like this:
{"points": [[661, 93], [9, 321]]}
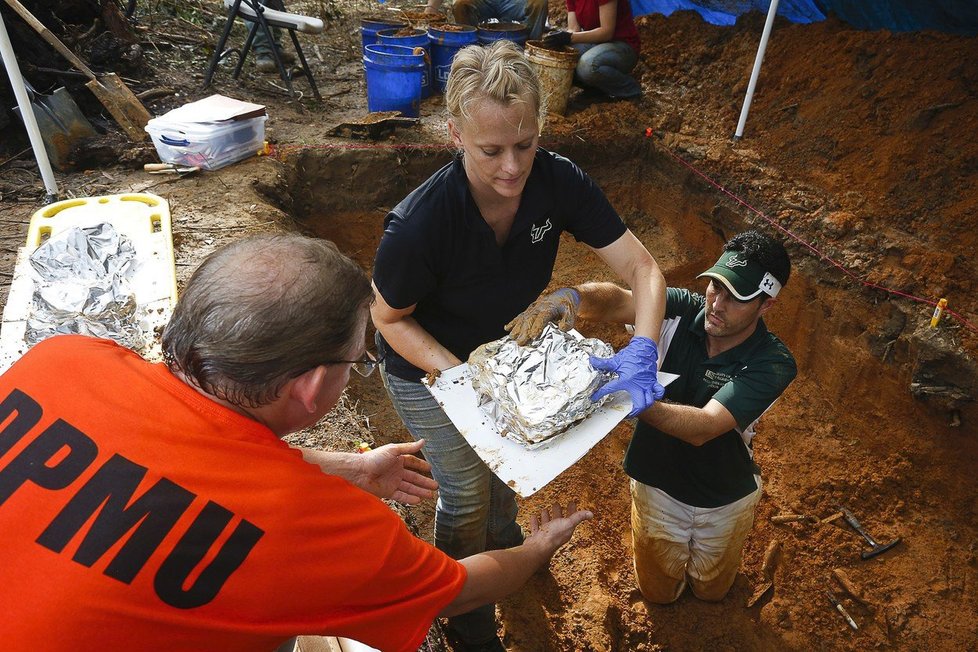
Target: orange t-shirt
{"points": [[136, 514]]}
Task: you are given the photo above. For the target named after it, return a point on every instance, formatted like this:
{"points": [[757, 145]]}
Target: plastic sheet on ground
{"points": [[955, 16]]}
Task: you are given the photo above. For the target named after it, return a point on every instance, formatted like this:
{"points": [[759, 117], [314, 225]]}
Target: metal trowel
{"points": [[767, 570], [60, 121], [373, 126]]}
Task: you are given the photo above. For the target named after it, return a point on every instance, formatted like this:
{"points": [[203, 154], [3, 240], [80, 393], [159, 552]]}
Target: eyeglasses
{"points": [[364, 366]]}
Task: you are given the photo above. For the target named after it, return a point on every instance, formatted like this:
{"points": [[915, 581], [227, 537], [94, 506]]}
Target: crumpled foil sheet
{"points": [[535, 392], [82, 287]]}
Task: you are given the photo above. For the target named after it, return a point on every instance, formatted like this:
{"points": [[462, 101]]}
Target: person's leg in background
{"points": [[661, 532], [264, 60], [718, 544], [533, 13], [606, 67], [472, 503], [471, 12]]}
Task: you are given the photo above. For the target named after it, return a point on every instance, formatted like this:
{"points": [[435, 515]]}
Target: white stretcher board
{"points": [[144, 218], [524, 470]]}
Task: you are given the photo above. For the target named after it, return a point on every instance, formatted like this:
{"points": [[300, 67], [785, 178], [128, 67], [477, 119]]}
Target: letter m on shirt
{"points": [[109, 492]]}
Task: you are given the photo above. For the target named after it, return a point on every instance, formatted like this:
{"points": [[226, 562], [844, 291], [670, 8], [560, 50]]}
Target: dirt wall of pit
{"points": [[849, 431]]}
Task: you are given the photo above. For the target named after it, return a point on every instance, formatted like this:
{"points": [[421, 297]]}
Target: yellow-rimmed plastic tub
{"points": [[144, 218]]}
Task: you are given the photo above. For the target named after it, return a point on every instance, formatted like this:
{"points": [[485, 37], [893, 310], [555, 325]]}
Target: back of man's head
{"points": [[764, 250], [263, 310]]}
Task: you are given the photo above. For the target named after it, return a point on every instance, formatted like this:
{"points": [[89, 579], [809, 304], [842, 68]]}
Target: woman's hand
{"points": [[559, 307]]}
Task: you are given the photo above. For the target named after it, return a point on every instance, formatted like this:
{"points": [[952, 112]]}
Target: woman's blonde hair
{"points": [[498, 72]]}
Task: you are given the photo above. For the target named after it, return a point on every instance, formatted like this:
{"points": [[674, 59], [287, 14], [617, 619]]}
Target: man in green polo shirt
{"points": [[694, 481]]}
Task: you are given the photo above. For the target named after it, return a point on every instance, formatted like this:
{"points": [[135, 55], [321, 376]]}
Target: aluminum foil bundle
{"points": [[535, 392], [82, 287]]}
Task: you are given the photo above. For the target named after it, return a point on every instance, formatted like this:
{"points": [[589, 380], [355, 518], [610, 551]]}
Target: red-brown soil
{"points": [[860, 144]]}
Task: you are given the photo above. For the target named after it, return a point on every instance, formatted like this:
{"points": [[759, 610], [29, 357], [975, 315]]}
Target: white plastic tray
{"points": [[525, 471]]}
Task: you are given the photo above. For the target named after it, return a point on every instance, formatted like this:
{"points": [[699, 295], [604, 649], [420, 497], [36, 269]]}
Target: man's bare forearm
{"points": [[692, 425]]}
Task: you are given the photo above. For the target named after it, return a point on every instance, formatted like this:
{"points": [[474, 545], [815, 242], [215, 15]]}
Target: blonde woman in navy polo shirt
{"points": [[462, 256]]}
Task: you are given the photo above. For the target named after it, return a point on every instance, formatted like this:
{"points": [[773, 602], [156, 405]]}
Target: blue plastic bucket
{"points": [[394, 76], [418, 38], [502, 31], [370, 25], [444, 45]]}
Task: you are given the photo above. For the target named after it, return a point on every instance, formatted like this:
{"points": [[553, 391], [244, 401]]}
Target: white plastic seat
{"points": [[275, 18], [265, 18]]}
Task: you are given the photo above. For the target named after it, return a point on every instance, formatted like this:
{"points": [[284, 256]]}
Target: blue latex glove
{"points": [[636, 369]]}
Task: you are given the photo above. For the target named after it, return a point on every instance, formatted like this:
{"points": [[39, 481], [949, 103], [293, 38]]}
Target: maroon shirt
{"points": [[587, 17]]}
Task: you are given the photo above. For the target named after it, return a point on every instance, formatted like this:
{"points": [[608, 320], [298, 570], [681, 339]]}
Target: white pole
{"points": [[27, 113], [771, 11]]}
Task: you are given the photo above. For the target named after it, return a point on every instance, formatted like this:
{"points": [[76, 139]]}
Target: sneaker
{"points": [[287, 57], [265, 62]]}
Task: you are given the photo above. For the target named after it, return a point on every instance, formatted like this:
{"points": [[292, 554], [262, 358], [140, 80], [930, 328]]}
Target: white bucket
{"points": [[555, 68]]}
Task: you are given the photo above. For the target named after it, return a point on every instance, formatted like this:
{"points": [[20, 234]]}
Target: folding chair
{"points": [[265, 18]]}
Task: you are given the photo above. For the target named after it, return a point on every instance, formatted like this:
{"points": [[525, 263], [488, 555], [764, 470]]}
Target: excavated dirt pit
{"points": [[847, 432], [868, 151]]}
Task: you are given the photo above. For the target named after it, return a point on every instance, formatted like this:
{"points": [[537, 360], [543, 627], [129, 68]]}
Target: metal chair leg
{"points": [[259, 23], [232, 12], [305, 65], [245, 50]]}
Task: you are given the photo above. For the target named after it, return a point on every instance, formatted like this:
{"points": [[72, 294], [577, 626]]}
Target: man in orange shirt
{"points": [[154, 506]]}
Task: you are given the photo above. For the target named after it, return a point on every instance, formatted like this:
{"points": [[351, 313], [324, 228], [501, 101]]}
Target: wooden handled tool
{"points": [[876, 548], [169, 168], [114, 95], [793, 518], [768, 566], [842, 610], [849, 586]]}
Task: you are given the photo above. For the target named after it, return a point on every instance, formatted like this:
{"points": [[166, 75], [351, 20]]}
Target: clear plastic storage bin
{"points": [[209, 145]]}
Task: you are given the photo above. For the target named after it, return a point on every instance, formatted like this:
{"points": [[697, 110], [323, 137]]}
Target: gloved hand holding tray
{"points": [[526, 469]]}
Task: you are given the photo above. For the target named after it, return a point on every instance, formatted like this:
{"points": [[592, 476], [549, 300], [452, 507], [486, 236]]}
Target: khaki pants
{"points": [[675, 543]]}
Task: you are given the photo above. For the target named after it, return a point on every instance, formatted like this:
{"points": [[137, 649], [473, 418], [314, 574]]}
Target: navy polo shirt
{"points": [[746, 380], [438, 253]]}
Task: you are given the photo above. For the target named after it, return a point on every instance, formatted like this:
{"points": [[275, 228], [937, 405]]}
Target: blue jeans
{"points": [[605, 66], [261, 44], [476, 511], [531, 12]]}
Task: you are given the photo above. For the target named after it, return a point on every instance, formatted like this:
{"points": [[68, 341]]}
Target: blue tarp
{"points": [[956, 16]]}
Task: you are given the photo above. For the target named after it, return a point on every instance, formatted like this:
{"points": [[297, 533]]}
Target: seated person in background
{"points": [[533, 13], [605, 35], [154, 506], [264, 59]]}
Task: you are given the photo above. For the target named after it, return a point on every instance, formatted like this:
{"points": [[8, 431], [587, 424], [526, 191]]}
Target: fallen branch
{"points": [[154, 94], [17, 155], [178, 38]]}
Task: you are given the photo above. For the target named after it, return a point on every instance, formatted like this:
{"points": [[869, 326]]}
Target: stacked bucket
{"points": [[405, 64]]}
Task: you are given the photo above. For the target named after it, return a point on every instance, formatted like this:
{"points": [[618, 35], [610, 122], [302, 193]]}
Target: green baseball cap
{"points": [[743, 277]]}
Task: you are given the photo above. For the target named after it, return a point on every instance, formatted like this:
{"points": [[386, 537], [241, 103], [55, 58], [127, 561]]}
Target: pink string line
{"points": [[281, 151], [822, 256]]}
